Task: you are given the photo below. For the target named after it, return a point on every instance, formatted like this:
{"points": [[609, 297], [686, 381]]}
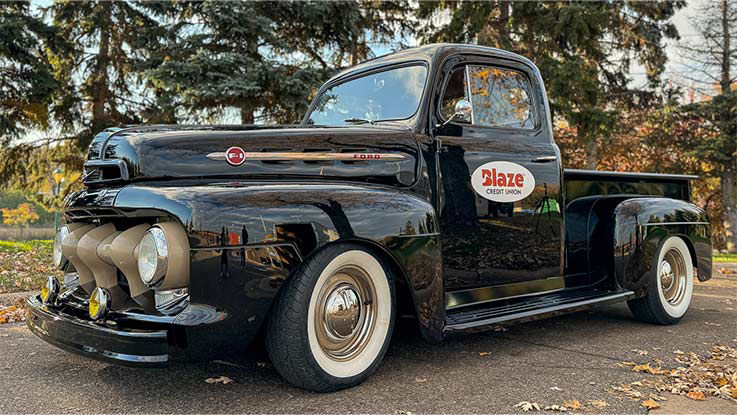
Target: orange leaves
{"points": [[13, 313], [696, 395], [650, 404], [22, 215], [648, 369]]}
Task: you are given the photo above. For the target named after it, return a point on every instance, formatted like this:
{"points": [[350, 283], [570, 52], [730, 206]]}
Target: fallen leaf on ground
{"points": [[526, 406], [648, 369], [640, 352], [573, 404], [484, 353], [220, 379], [420, 380], [650, 404], [696, 396], [598, 403]]}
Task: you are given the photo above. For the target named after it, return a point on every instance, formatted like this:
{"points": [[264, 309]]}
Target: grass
{"points": [[26, 246], [725, 257]]}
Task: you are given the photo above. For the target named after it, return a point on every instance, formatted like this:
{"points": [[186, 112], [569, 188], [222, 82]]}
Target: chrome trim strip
{"points": [[675, 223], [127, 357], [626, 295], [285, 156]]}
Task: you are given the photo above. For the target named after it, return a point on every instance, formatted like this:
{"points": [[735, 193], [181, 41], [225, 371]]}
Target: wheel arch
{"points": [[640, 227]]}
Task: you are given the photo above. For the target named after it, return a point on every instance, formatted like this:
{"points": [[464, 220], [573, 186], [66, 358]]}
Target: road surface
{"points": [[573, 357]]}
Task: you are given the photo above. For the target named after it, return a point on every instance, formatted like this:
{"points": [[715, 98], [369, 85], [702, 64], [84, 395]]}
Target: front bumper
{"points": [[141, 345]]}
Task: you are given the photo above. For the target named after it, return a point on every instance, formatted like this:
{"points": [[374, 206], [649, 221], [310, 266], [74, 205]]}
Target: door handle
{"points": [[544, 159]]}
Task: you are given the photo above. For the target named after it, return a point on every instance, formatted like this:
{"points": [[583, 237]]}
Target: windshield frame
{"points": [[363, 73]]}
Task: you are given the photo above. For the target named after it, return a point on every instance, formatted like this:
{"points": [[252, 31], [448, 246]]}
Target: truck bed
{"points": [[583, 183]]}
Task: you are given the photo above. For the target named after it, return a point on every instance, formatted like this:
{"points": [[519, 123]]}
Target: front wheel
{"points": [[669, 293], [332, 322]]}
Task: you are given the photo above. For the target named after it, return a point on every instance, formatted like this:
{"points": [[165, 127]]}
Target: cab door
{"points": [[499, 184]]}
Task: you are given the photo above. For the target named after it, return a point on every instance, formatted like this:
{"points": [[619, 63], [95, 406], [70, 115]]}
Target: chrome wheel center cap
{"points": [[342, 311], [666, 275]]}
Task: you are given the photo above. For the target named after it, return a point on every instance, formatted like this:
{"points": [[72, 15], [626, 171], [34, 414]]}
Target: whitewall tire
{"points": [[332, 322], [670, 288]]}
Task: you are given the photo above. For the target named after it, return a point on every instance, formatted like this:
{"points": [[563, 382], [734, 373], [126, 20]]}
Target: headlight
{"points": [[59, 260], [153, 256]]}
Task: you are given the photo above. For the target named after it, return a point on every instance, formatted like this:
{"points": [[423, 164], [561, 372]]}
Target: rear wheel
{"points": [[331, 325], [670, 288]]}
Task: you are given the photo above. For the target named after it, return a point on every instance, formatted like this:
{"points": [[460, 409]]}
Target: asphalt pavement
{"points": [[572, 357]]}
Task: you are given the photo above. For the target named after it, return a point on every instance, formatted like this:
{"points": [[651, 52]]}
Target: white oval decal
{"points": [[502, 181]]}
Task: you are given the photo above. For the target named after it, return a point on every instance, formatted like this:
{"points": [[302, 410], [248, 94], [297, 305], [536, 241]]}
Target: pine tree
{"points": [[113, 42], [265, 58], [27, 82]]}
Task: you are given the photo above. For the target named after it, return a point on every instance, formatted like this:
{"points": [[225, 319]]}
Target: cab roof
{"points": [[429, 53]]}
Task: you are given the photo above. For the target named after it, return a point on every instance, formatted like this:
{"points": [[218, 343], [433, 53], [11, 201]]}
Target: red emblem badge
{"points": [[235, 156]]}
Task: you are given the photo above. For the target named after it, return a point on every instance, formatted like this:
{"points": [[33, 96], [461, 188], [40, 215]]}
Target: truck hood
{"points": [[372, 153]]}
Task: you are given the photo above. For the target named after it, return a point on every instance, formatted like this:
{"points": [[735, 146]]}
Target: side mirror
{"points": [[462, 113]]}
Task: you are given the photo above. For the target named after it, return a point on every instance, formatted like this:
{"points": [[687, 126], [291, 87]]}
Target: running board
{"points": [[529, 308]]}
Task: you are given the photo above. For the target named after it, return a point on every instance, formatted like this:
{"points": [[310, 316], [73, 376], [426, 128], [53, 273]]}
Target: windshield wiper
{"points": [[359, 121]]}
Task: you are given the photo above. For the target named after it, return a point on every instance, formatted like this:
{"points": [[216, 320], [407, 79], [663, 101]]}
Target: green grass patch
{"points": [[725, 257], [26, 246]]}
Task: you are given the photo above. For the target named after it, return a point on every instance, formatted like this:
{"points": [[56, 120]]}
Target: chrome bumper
{"points": [[140, 345]]}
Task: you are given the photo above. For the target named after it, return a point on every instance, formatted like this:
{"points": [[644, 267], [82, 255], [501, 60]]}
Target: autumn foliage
{"points": [[24, 214]]}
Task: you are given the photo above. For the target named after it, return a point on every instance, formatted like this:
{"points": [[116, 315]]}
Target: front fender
{"points": [[278, 219], [641, 225]]}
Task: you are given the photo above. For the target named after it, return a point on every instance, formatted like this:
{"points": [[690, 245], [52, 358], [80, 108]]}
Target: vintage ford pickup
{"points": [[423, 183]]}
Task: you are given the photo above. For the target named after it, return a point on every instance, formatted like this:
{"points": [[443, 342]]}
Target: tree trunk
{"points": [[728, 183], [100, 118], [725, 83], [592, 150], [247, 115], [501, 25]]}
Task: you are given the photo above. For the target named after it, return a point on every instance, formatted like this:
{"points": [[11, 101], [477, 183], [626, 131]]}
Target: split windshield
{"points": [[389, 95]]}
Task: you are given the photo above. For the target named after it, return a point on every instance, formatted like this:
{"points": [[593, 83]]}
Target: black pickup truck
{"points": [[423, 183]]}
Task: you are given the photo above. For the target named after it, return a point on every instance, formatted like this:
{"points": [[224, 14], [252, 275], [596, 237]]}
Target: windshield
{"points": [[390, 95]]}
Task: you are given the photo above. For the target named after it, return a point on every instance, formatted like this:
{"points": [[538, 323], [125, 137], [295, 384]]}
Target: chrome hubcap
{"points": [[342, 311], [672, 274], [345, 314]]}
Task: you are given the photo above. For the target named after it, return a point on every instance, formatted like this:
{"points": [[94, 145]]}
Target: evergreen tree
{"points": [[27, 81], [265, 58], [583, 49], [113, 42]]}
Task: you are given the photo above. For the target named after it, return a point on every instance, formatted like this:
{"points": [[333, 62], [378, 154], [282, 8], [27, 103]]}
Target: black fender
{"points": [[640, 227], [251, 236]]}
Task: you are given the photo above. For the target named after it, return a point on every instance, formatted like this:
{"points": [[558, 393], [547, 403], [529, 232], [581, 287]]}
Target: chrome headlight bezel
{"points": [[60, 261], [50, 290], [153, 256], [99, 303]]}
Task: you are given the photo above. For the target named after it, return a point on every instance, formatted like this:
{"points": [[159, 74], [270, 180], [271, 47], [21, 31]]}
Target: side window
{"points": [[454, 91], [500, 98]]}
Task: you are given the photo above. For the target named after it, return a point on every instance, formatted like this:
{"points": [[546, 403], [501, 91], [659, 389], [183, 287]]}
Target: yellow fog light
{"points": [[49, 290], [99, 303]]}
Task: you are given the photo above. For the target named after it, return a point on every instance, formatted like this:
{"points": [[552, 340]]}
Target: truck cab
{"points": [[426, 182]]}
